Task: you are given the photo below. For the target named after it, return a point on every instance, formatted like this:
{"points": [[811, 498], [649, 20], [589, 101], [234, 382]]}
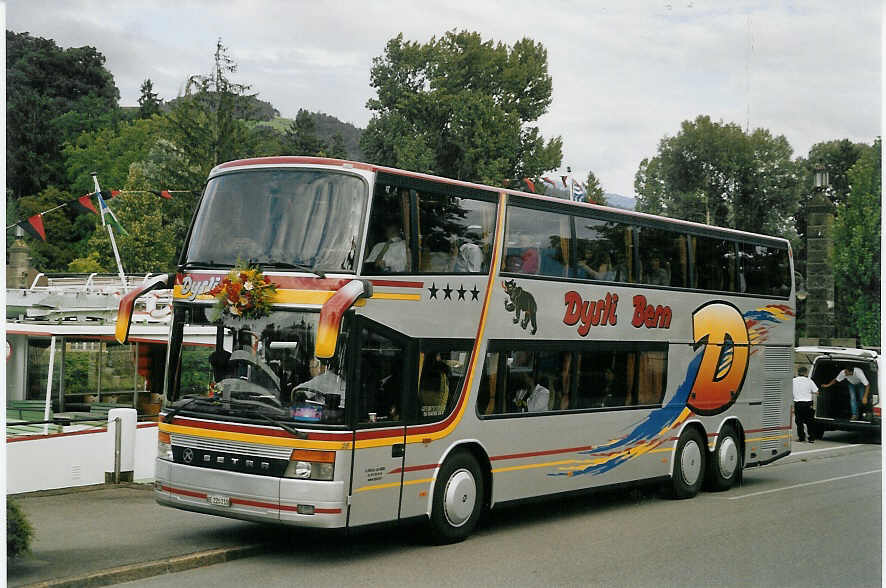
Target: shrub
{"points": [[18, 531]]}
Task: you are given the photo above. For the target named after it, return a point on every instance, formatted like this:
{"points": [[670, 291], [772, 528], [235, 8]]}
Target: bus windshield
{"points": [[258, 369], [285, 217]]}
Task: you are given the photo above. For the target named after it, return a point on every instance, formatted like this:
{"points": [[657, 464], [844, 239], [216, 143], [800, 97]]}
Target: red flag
{"points": [[548, 180], [161, 194], [84, 203], [531, 184], [34, 227]]}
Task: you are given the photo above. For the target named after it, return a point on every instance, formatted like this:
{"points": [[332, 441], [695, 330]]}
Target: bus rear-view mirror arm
{"points": [[127, 304], [332, 312]]}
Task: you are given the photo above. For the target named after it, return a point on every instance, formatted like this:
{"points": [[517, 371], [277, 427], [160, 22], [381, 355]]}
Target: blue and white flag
{"points": [[578, 191], [108, 216]]}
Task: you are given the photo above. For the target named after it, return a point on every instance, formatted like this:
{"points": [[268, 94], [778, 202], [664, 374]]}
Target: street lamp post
{"points": [[819, 270]]}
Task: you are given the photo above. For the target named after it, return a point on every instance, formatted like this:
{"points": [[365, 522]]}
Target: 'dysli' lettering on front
{"points": [[191, 288], [590, 313], [653, 317]]}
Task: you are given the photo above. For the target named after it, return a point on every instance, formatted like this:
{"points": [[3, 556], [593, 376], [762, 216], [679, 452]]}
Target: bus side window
{"points": [[387, 243], [454, 233], [537, 242], [439, 382], [663, 257], [486, 396]]}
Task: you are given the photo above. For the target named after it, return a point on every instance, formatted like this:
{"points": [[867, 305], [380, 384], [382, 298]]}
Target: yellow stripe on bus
{"points": [[318, 297], [393, 485], [250, 438]]}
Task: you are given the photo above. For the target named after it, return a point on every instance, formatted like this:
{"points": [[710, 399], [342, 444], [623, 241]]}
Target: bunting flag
{"points": [[84, 204], [108, 216], [531, 184], [34, 226], [565, 185], [548, 180]]}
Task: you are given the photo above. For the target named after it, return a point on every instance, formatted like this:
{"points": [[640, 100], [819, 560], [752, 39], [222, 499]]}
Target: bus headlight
{"points": [[164, 446], [305, 464]]}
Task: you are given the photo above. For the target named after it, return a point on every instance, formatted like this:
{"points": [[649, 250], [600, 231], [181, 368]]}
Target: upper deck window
{"points": [[280, 216]]}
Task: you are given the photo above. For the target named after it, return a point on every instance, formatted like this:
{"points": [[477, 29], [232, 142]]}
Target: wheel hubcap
{"points": [[727, 457], [459, 497], [690, 462]]}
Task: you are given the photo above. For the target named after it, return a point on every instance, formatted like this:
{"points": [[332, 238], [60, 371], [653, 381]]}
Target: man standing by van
{"points": [[855, 378], [804, 388]]}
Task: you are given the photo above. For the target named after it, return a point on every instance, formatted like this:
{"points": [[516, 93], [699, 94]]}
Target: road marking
{"points": [[822, 449], [805, 484]]}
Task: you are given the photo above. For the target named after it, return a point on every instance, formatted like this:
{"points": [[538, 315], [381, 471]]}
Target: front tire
{"points": [[724, 466], [458, 499], [689, 464]]}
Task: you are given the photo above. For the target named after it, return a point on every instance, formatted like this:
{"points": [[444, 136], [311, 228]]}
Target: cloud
{"points": [[625, 74]]}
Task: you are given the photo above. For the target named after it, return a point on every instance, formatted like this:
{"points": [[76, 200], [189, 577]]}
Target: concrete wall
{"points": [[71, 459]]}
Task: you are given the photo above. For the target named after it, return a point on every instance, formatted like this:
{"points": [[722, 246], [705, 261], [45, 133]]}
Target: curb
{"points": [[79, 489], [149, 569]]}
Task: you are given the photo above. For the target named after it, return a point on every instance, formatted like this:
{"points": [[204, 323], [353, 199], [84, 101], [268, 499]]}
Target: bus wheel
{"points": [[725, 464], [458, 498], [689, 464]]}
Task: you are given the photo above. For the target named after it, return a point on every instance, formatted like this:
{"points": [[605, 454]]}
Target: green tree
{"points": [[65, 229], [595, 192], [715, 173], [149, 102], [461, 107], [857, 246], [336, 147], [110, 152], [52, 95], [301, 136], [202, 126]]}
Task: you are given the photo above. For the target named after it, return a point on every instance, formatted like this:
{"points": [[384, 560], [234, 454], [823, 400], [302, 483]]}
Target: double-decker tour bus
{"points": [[435, 348]]}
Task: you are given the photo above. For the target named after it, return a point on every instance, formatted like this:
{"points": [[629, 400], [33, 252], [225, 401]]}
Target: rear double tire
{"points": [[689, 464], [459, 495], [724, 466]]}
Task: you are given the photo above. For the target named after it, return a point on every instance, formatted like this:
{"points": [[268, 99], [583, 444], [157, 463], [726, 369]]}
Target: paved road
{"points": [[813, 519]]}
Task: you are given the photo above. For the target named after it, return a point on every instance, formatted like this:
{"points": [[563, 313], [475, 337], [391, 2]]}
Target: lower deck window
{"points": [[606, 376]]}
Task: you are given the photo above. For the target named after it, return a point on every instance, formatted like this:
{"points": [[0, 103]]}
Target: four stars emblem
{"points": [[448, 290]]}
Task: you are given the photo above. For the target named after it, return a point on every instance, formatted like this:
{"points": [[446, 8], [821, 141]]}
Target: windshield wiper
{"points": [[193, 264], [176, 409], [296, 266], [258, 405]]}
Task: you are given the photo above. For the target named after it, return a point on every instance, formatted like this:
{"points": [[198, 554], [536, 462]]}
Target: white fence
{"points": [[76, 458]]}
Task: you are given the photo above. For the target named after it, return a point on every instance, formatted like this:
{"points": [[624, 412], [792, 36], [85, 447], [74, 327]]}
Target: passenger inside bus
{"points": [[325, 386], [656, 273], [389, 255]]}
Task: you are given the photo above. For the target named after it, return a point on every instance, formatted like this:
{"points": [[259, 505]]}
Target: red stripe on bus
{"points": [[538, 453], [183, 492], [247, 502], [397, 284], [417, 468], [293, 282], [312, 436]]}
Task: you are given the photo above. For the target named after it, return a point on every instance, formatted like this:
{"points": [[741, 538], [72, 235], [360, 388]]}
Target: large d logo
{"points": [[720, 327]]}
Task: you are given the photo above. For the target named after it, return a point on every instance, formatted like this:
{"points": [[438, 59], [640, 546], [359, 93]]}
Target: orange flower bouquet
{"points": [[244, 293]]}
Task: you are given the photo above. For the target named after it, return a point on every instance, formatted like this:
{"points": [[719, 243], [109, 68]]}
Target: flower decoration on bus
{"points": [[244, 293]]}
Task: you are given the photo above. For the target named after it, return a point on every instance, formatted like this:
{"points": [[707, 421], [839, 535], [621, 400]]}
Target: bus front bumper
{"points": [[249, 497]]}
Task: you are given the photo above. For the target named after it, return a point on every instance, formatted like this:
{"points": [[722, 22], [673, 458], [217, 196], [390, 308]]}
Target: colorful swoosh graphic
{"points": [[650, 433], [646, 436]]}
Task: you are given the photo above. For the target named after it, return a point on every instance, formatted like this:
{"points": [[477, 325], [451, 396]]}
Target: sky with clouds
{"points": [[625, 74]]}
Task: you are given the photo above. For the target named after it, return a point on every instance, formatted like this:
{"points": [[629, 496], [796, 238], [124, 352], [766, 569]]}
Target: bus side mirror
{"points": [[127, 305], [332, 312]]}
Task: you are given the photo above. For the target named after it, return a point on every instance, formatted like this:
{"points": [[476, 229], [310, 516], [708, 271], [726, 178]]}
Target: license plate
{"points": [[217, 500]]}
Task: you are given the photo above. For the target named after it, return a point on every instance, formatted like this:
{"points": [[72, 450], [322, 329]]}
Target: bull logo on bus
{"points": [[721, 329]]}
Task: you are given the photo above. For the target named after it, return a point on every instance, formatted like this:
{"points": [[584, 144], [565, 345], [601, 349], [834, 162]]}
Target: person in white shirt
{"points": [[804, 388], [389, 255], [855, 379]]}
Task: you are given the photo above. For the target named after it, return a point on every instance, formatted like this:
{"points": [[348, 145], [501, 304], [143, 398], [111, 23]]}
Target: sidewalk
{"points": [[80, 534]]}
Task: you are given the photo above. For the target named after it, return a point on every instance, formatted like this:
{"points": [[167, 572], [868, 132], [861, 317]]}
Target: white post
{"points": [[111, 234], [48, 406], [126, 434]]}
